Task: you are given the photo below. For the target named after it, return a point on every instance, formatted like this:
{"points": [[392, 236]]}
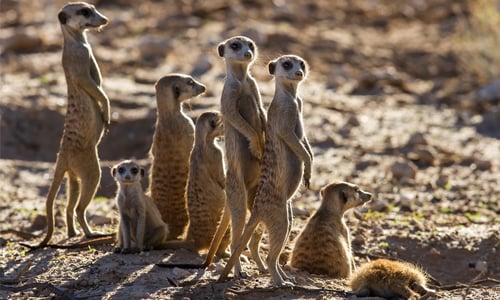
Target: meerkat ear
{"points": [[321, 192], [142, 172], [113, 171], [272, 67], [220, 50], [213, 123], [62, 17]]}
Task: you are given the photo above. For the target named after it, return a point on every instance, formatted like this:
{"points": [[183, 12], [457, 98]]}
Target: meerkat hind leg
{"points": [[73, 192], [90, 178]]}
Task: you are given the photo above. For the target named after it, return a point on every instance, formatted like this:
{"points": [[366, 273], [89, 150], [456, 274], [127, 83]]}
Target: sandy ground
{"points": [[388, 105]]}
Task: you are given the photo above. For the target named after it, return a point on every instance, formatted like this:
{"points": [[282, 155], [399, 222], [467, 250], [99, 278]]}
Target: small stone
{"points": [[483, 165], [180, 273], [23, 43], [404, 170], [417, 139], [202, 65], [379, 205], [423, 155]]}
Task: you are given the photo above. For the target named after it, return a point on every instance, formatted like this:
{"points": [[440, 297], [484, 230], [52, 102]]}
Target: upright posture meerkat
{"points": [[324, 246], [287, 160], [172, 144], [390, 279], [141, 226], [244, 124], [206, 194], [87, 117]]}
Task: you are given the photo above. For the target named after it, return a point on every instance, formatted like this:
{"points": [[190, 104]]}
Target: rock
{"points": [[202, 65], [23, 43], [180, 273], [416, 139], [39, 223], [379, 205], [489, 93], [483, 164], [423, 155], [99, 220], [403, 170], [153, 47]]}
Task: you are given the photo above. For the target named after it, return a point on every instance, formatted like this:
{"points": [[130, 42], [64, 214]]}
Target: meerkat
{"points": [[172, 144], [390, 279], [324, 246], [87, 118], [141, 226], [287, 161], [206, 194], [244, 124]]}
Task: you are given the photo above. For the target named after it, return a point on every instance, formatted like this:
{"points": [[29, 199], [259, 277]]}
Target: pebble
{"points": [[23, 43], [403, 170]]}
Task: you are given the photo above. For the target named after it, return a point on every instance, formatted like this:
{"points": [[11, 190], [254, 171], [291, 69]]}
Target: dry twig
{"points": [[39, 285], [108, 239]]}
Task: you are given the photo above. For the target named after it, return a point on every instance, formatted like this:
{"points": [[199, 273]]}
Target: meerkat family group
{"points": [[193, 201]]}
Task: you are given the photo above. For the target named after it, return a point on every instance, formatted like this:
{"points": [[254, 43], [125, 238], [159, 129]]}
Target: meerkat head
{"points": [[127, 172], [288, 68], [238, 49], [339, 197], [210, 125], [178, 87], [81, 16]]}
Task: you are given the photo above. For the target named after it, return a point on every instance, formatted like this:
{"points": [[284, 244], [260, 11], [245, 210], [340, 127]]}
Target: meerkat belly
{"points": [[250, 112], [290, 168], [83, 124]]}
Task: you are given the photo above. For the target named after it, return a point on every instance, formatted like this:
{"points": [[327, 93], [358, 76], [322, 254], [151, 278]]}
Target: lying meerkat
{"points": [[141, 226], [324, 246], [390, 279], [206, 187], [244, 124], [287, 160], [87, 117], [172, 144]]}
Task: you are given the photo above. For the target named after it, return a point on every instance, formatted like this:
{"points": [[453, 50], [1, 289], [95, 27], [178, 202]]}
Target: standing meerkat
{"points": [[87, 117], [141, 226], [390, 279], [206, 194], [244, 124], [287, 160], [172, 144], [324, 246]]}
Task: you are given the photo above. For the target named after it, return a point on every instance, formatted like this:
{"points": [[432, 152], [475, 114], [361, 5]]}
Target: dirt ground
{"points": [[388, 105]]}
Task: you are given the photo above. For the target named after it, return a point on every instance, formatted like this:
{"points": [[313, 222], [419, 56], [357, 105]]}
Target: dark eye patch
{"points": [[86, 12], [121, 170], [235, 46], [286, 65], [251, 46], [190, 82], [134, 170], [344, 196], [303, 65]]}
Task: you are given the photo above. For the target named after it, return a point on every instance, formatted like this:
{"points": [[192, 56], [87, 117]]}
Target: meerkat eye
{"points": [[287, 65], [303, 65], [85, 12], [134, 170], [251, 46], [190, 82], [121, 170], [235, 46]]}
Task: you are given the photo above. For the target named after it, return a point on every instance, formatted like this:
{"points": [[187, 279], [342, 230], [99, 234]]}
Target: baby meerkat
{"points": [[141, 226], [172, 144], [390, 279], [287, 161], [206, 187], [87, 117], [244, 123], [324, 246]]}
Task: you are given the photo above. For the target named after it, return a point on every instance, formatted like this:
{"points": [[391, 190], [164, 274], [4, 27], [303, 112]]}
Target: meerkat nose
{"points": [[299, 74], [248, 54]]}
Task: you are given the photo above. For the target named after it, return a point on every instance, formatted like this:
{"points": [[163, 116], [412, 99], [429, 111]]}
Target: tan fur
{"points": [[172, 144], [141, 226], [86, 119], [287, 160], [390, 279], [324, 246], [244, 124], [206, 194]]}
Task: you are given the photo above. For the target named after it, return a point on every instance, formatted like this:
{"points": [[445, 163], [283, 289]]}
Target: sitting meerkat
{"points": [[87, 118], [286, 162], [206, 194], [141, 226], [390, 279], [172, 144], [324, 246]]}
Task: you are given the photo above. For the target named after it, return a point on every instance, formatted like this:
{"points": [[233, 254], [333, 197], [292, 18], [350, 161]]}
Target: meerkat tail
{"points": [[59, 172], [253, 222], [217, 239]]}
